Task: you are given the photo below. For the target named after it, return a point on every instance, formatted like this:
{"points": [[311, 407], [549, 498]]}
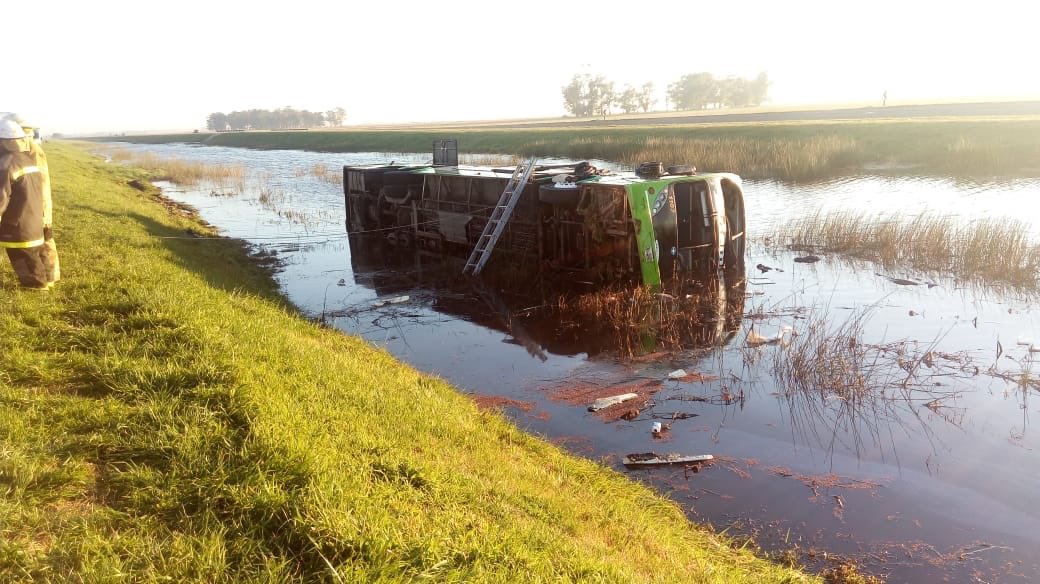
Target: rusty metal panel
{"points": [[445, 153]]}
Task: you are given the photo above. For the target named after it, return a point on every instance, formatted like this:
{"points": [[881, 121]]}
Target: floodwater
{"points": [[931, 474]]}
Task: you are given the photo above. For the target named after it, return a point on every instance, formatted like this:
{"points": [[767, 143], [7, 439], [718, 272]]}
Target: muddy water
{"points": [[931, 475]]}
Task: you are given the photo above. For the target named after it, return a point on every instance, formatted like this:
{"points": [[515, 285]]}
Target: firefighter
{"points": [[21, 207], [50, 252]]}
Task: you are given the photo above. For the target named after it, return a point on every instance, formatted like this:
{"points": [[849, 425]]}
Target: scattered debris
{"points": [[664, 433], [394, 300], [677, 374], [674, 416], [826, 481], [585, 393], [653, 459], [342, 282], [755, 340], [629, 414], [807, 259], [903, 282], [606, 402]]}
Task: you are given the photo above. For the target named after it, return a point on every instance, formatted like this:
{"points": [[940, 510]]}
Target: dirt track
{"points": [[1015, 108]]}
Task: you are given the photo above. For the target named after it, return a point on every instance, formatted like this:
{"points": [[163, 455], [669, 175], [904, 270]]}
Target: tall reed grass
{"points": [[183, 172], [988, 249], [799, 157], [796, 150], [322, 172]]}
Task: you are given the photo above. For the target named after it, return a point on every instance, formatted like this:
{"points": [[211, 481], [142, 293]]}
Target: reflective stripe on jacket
{"points": [[39, 158], [21, 202]]}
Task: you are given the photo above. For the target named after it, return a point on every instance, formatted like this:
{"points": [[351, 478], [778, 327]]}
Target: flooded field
{"points": [[854, 411]]}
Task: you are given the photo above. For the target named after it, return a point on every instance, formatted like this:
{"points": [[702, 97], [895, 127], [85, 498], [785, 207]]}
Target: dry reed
{"points": [[989, 249], [787, 157], [320, 171], [831, 361], [632, 320], [184, 172]]}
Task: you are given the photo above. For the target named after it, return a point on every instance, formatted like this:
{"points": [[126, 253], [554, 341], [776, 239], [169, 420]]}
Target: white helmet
{"points": [[11, 130]]}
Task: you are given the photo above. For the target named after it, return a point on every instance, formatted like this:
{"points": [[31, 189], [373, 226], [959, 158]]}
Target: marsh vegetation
{"points": [[994, 250], [790, 151]]}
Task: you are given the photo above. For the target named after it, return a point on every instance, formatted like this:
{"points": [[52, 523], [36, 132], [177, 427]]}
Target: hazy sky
{"points": [[110, 66]]}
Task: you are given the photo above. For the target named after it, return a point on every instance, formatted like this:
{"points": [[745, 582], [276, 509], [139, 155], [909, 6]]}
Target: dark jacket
{"points": [[21, 201]]}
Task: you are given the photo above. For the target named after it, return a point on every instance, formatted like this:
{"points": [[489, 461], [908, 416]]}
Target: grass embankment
{"points": [[165, 415], [794, 150]]}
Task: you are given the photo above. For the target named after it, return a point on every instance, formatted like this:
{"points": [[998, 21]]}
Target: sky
{"points": [[113, 66]]}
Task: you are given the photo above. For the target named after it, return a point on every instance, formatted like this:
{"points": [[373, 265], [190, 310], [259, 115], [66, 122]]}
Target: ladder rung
{"points": [[495, 226]]}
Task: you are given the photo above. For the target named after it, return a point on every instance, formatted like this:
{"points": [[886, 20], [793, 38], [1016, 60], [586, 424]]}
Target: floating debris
{"points": [[629, 414], [902, 281], [606, 402], [653, 459], [675, 416], [808, 259], [677, 374], [756, 340], [394, 300]]}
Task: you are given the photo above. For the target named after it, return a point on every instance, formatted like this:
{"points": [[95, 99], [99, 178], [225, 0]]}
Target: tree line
{"points": [[280, 119], [588, 96]]}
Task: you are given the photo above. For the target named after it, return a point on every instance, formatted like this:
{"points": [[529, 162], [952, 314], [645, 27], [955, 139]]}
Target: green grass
{"points": [[165, 415], [795, 150]]}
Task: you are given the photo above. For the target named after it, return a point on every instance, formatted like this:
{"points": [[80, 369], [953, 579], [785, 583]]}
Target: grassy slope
{"points": [[165, 415], [790, 150]]}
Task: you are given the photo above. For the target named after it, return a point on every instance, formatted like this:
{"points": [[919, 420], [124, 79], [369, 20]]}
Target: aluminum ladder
{"points": [[499, 217]]}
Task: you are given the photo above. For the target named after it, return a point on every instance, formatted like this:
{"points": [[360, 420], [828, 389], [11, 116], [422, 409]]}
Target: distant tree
{"points": [[335, 117], [586, 96], [694, 91], [575, 96], [646, 96], [734, 92], [601, 96], [740, 92], [702, 90], [217, 121], [760, 89], [257, 119], [628, 100]]}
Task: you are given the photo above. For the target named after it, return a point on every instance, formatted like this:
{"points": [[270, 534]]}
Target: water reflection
{"points": [[775, 202], [556, 315]]}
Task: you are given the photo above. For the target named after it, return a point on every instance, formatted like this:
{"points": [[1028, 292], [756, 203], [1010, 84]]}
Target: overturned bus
{"points": [[656, 223]]}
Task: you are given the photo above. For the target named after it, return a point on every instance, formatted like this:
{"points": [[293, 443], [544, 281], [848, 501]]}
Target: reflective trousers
{"points": [[50, 256], [30, 265]]}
